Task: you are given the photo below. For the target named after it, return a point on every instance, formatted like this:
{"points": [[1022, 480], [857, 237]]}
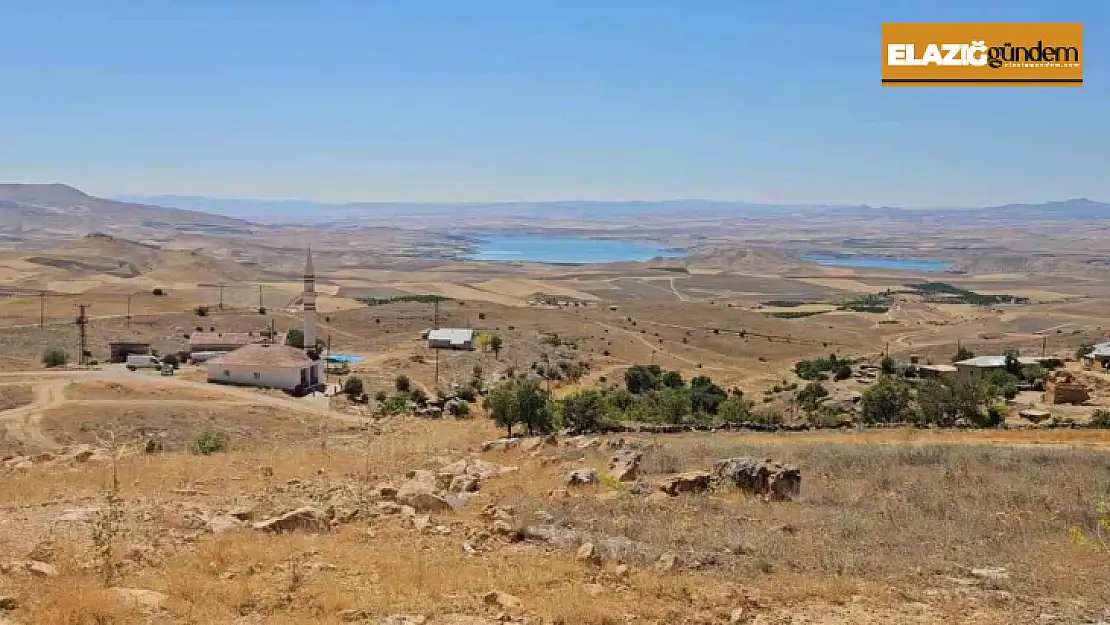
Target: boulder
{"points": [[301, 519], [582, 476], [483, 469], [624, 466], [455, 468], [41, 569], [402, 619], [760, 477], [692, 482], [588, 553], [502, 599], [146, 601], [465, 484], [421, 493]]}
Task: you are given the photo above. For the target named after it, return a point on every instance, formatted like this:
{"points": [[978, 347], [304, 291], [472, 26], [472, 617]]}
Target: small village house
{"points": [[267, 366], [451, 338], [977, 367], [937, 371], [1099, 356], [228, 341]]}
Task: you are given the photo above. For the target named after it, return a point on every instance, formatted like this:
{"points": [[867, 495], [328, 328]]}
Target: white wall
{"points": [[287, 378]]}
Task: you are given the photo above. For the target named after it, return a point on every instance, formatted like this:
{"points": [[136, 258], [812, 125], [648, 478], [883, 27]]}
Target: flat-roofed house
{"points": [[973, 368], [228, 341], [451, 338]]}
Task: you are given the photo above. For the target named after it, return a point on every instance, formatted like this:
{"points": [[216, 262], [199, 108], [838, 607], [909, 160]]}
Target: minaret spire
{"points": [[308, 298]]}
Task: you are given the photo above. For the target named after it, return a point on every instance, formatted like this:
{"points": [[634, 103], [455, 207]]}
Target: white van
{"points": [[139, 361]]}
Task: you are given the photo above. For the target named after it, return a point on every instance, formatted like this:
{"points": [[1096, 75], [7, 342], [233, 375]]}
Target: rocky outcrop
{"points": [[624, 465], [307, 519], [582, 476], [692, 482], [760, 477]]}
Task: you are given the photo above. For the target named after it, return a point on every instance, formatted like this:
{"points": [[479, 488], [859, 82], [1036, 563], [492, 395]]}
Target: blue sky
{"points": [[531, 100]]}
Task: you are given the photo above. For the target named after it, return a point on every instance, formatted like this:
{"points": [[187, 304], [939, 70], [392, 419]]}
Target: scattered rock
{"points": [[990, 573], [739, 615], [501, 444], [624, 466], [427, 502], [403, 619], [484, 469], [388, 507], [535, 444], [8, 602], [582, 476], [666, 562], [385, 491], [588, 553], [502, 599], [222, 524], [621, 571], [465, 484], [77, 515], [152, 446], [81, 453], [41, 569], [303, 519], [761, 477], [693, 482], [242, 513], [594, 590], [455, 468], [420, 492], [353, 616], [502, 528], [147, 601]]}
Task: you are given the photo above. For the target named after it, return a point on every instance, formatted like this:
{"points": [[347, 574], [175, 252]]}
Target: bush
{"points": [[1101, 418], [54, 357], [353, 387], [201, 311], [158, 292], [395, 404], [380, 397], [468, 393], [419, 396], [402, 383], [887, 365], [735, 409], [459, 409], [211, 442], [843, 372], [809, 396], [886, 401], [582, 411]]}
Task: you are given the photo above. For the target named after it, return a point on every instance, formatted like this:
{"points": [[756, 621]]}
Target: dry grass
{"points": [[15, 395]]}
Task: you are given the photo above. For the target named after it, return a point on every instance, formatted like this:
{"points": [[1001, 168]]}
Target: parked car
{"points": [[167, 368]]}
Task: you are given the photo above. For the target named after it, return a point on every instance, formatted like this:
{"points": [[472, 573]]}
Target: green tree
{"points": [[1013, 365], [843, 372], [583, 411], [353, 388], [1002, 382], [639, 379], [886, 401], [963, 353], [705, 396], [936, 403], [495, 345], [809, 396], [402, 383], [887, 365], [54, 357], [735, 409], [672, 379], [521, 401], [673, 405]]}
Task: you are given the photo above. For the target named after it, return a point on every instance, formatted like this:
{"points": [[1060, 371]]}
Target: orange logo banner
{"points": [[982, 55]]}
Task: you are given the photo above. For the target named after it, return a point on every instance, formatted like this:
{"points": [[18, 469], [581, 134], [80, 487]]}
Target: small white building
{"points": [[973, 368], [267, 366], [451, 338]]}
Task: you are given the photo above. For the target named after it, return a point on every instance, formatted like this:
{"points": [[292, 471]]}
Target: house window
{"points": [[257, 375], [227, 373]]}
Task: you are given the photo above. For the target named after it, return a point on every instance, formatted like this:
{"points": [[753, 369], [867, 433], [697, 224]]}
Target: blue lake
{"points": [[879, 262], [541, 249]]}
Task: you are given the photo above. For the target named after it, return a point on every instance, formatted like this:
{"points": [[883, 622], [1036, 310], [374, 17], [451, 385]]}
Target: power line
{"points": [[82, 339]]}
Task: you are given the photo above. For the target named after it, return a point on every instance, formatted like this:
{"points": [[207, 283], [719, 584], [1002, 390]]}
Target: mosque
{"points": [[272, 365]]}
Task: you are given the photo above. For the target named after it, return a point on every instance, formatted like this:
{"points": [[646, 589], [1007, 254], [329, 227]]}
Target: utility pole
{"points": [[260, 306], [326, 357], [1044, 347], [221, 296], [435, 314], [42, 309], [129, 310], [437, 367], [82, 339]]}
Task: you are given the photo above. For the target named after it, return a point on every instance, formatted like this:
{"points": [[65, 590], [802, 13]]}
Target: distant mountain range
{"points": [[304, 211], [31, 208]]}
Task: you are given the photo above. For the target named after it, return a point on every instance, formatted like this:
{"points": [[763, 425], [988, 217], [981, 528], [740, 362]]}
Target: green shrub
{"points": [[468, 393], [54, 357], [1101, 418], [353, 387], [843, 372], [201, 311], [211, 442]]}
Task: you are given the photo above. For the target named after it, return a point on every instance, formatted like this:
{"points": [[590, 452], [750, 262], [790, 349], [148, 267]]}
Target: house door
{"points": [[314, 374], [304, 377]]}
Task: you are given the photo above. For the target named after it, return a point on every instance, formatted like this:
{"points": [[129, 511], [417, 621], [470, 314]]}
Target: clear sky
{"points": [[477, 100]]}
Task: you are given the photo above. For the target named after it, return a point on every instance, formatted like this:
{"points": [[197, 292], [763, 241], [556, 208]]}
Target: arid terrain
{"points": [[130, 497]]}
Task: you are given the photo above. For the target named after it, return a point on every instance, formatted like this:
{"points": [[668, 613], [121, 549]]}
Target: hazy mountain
{"points": [[27, 210], [304, 211]]}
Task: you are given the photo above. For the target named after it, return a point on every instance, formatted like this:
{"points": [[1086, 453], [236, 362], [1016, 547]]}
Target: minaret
{"points": [[308, 298]]}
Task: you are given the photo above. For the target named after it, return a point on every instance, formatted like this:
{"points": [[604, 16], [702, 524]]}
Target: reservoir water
{"points": [[568, 250], [927, 265]]}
